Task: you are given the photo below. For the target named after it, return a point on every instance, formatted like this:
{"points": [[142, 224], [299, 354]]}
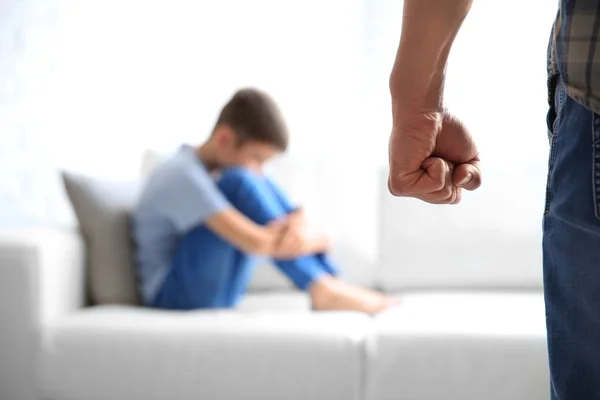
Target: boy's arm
{"points": [[198, 200], [191, 198], [245, 234], [282, 239]]}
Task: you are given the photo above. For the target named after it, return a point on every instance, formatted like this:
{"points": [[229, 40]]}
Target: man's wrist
{"points": [[421, 94], [419, 73]]}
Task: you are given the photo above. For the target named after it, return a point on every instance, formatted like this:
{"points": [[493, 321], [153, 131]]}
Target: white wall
{"points": [[89, 84], [497, 84], [117, 77], [28, 188]]}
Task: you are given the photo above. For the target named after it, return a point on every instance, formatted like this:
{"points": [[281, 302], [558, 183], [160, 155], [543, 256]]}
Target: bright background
{"points": [[89, 85]]}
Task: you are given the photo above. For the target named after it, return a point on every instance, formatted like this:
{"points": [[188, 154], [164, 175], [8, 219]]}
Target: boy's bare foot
{"points": [[331, 293]]}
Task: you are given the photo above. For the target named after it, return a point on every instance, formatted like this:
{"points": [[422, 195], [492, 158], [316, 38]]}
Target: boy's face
{"points": [[251, 154], [248, 154]]}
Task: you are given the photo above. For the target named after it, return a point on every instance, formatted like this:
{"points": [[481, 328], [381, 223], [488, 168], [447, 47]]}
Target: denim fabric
{"points": [[209, 272], [571, 249]]}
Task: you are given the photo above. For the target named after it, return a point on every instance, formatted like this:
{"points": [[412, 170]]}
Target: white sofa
{"points": [[470, 326]]}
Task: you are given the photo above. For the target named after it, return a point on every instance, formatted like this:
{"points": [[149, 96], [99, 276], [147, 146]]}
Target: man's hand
{"points": [[432, 157]]}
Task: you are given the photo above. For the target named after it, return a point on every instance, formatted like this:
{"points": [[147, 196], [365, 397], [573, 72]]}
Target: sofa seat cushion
{"points": [[467, 346], [128, 353], [295, 301]]}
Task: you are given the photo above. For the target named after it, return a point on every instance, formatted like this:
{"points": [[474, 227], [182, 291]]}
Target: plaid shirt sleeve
{"points": [[574, 51]]}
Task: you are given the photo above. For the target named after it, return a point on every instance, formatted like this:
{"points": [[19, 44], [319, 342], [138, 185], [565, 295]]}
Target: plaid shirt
{"points": [[574, 51]]}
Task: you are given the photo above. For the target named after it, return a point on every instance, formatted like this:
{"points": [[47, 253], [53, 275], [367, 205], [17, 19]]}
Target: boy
{"points": [[206, 214]]}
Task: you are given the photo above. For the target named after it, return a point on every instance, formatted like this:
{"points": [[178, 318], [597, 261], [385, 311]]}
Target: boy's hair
{"points": [[254, 116]]}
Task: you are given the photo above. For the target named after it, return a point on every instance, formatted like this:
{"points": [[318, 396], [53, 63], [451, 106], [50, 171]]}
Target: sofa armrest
{"points": [[41, 278]]}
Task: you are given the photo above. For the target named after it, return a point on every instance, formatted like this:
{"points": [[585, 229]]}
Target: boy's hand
{"points": [[297, 218], [293, 240]]}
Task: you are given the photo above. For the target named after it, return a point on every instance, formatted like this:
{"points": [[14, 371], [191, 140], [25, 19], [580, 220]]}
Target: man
{"points": [[206, 214], [433, 158]]}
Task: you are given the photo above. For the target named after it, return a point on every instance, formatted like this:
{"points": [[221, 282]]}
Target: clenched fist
{"points": [[432, 157]]}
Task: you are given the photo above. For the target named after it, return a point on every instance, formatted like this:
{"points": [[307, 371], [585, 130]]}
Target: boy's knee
{"points": [[237, 175], [237, 181]]}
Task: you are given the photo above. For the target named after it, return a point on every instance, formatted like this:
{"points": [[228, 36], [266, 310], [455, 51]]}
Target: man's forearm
{"points": [[429, 28]]}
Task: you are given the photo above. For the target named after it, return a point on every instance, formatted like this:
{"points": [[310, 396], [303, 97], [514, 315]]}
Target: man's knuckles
{"points": [[398, 187]]}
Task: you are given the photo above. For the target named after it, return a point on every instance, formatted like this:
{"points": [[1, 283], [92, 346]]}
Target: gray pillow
{"points": [[102, 209]]}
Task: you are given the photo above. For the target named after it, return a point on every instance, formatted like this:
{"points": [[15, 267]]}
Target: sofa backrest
{"points": [[492, 239]]}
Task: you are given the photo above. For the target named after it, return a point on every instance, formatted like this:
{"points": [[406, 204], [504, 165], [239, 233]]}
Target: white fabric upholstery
{"points": [[460, 346], [479, 243], [41, 278], [456, 346], [450, 345], [294, 301], [128, 354]]}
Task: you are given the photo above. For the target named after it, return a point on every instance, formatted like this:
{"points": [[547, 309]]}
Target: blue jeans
{"points": [[209, 272], [571, 249]]}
